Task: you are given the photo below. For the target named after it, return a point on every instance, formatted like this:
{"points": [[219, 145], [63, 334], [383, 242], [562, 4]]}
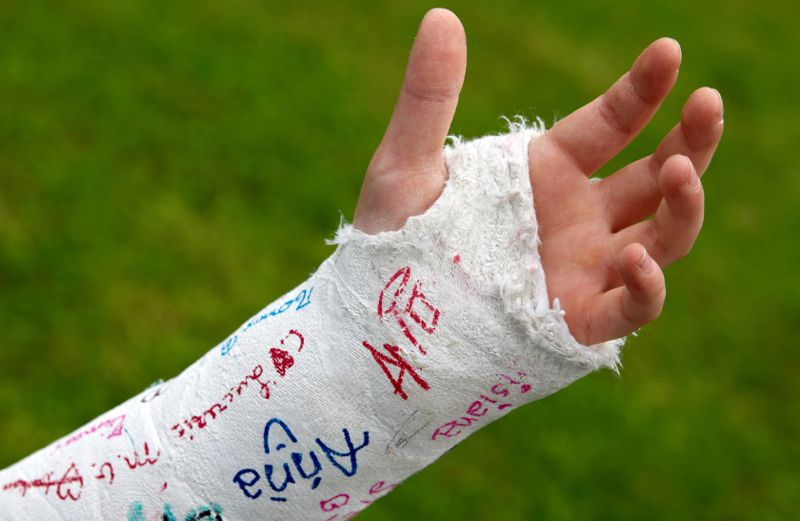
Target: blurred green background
{"points": [[167, 168]]}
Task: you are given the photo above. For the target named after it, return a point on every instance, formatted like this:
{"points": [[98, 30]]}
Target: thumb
{"points": [[424, 110], [407, 172]]}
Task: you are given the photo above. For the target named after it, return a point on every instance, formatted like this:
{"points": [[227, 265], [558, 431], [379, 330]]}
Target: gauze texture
{"points": [[399, 346]]}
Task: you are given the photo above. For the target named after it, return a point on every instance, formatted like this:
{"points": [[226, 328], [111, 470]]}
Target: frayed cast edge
{"points": [[549, 325]]}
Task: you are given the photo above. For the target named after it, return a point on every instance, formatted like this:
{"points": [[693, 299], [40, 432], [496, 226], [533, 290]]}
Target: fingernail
{"points": [[678, 45], [646, 264], [721, 106], [693, 181]]}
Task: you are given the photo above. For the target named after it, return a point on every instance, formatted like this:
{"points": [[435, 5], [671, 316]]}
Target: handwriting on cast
{"points": [[284, 452]]}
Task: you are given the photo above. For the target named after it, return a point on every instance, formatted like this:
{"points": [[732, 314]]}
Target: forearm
{"points": [[399, 346]]}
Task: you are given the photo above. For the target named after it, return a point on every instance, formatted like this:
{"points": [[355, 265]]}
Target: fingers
{"points": [[670, 235], [424, 110], [622, 310], [633, 192], [595, 133]]}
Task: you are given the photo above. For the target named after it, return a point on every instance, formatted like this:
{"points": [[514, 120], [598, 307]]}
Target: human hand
{"points": [[603, 261]]}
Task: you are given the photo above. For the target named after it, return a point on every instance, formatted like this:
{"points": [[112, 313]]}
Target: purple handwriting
{"points": [[113, 425], [340, 501], [499, 396]]}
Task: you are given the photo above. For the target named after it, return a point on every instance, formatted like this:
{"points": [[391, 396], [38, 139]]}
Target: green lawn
{"points": [[167, 170]]}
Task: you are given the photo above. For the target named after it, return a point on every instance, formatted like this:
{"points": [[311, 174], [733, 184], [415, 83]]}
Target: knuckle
{"points": [[430, 93], [632, 318], [639, 313], [611, 116]]}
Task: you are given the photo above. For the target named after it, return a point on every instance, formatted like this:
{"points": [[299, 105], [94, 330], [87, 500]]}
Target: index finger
{"points": [[596, 132]]}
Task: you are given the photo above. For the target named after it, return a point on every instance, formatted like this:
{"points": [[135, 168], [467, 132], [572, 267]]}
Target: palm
{"points": [[601, 254], [573, 216]]}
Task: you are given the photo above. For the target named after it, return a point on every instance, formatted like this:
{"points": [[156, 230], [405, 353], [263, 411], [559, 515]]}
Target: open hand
{"points": [[602, 257]]}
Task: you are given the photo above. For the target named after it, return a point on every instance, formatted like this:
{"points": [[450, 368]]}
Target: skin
{"points": [[602, 255]]}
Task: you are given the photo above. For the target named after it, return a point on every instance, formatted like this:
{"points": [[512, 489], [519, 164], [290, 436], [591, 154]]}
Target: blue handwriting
{"points": [[277, 437], [296, 303]]}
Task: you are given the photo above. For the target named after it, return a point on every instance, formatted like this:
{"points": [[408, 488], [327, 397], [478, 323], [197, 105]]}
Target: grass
{"points": [[166, 169]]}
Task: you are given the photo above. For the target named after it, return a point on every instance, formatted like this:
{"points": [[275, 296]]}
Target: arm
{"points": [[433, 317]]}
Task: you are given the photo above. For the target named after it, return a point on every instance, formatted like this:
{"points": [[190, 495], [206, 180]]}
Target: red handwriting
{"points": [[500, 399], [403, 312], [114, 424], [340, 501], [70, 484], [399, 362], [381, 488], [67, 487], [106, 467], [337, 501], [132, 462], [141, 460], [282, 361], [414, 314]]}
